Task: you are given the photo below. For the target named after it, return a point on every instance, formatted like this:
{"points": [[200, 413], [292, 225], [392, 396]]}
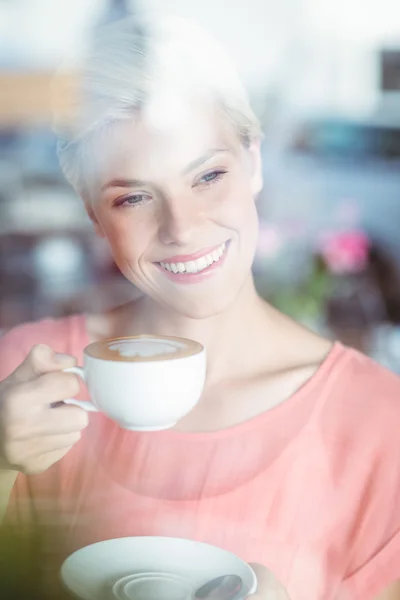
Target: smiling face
{"points": [[176, 204]]}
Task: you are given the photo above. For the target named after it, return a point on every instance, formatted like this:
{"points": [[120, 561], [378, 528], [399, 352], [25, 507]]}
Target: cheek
{"points": [[237, 206], [126, 236]]}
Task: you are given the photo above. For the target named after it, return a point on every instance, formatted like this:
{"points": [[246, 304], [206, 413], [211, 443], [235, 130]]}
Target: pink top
{"points": [[309, 489]]}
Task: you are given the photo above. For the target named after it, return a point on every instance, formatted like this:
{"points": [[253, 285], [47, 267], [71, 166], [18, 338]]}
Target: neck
{"points": [[224, 335]]}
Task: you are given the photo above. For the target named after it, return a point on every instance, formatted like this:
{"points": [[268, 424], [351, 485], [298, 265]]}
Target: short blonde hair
{"points": [[132, 61]]}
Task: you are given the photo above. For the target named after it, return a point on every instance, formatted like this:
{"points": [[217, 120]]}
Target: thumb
{"points": [[40, 360], [268, 587]]}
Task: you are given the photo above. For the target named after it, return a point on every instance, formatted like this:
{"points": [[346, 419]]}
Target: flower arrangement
{"points": [[334, 255], [345, 252]]}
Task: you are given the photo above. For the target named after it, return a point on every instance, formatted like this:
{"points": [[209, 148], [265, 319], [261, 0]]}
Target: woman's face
{"points": [[176, 204]]}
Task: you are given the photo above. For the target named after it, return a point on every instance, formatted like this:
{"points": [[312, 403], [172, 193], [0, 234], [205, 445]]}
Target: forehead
{"points": [[163, 140]]}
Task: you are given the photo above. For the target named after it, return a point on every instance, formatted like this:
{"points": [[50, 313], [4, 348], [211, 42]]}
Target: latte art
{"points": [[146, 347], [143, 348]]}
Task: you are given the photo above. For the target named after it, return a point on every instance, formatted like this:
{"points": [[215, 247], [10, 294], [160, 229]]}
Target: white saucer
{"points": [[91, 573], [145, 586], [158, 587]]}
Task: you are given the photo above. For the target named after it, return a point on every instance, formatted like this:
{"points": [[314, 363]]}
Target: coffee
{"points": [[143, 348], [143, 382]]}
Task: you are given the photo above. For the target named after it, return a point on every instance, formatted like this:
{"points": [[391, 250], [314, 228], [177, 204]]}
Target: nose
{"points": [[179, 220]]}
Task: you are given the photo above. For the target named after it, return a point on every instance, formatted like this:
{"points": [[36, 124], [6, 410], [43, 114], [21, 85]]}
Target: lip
{"points": [[190, 278], [194, 256]]}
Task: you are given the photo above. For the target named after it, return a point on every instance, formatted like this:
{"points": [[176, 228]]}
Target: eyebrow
{"points": [[130, 183], [202, 159]]}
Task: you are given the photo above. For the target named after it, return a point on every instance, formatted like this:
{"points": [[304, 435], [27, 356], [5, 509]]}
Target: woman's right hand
{"points": [[33, 433]]}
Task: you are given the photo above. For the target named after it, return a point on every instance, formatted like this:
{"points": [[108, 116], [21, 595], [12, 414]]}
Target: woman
{"points": [[291, 458]]}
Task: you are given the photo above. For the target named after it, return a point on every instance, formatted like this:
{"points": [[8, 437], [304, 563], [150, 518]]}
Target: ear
{"points": [[254, 151], [97, 227]]}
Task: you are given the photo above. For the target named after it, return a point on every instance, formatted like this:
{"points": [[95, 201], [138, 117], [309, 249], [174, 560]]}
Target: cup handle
{"points": [[88, 406]]}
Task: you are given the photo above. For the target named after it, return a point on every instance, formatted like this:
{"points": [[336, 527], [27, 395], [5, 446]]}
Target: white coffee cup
{"points": [[144, 382]]}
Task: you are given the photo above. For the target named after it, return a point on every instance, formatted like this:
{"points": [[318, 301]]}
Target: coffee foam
{"points": [[146, 347], [143, 348]]}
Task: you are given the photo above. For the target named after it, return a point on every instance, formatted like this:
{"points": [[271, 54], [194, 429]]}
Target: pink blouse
{"points": [[310, 488]]}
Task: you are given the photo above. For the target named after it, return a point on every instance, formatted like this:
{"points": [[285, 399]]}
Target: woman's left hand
{"points": [[268, 587]]}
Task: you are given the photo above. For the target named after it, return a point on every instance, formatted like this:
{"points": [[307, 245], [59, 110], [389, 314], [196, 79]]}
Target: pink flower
{"points": [[345, 252]]}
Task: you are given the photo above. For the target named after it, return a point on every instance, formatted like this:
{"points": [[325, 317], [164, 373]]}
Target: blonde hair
{"points": [[131, 63]]}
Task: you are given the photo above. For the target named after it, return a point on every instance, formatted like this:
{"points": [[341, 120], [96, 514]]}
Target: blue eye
{"points": [[211, 177], [132, 200]]}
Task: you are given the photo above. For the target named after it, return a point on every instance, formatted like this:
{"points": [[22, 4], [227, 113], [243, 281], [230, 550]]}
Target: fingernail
{"points": [[63, 358]]}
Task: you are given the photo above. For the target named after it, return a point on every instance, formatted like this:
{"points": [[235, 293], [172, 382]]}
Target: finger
{"points": [[53, 443], [54, 421], [41, 359], [44, 462], [64, 419], [47, 390], [268, 587], [20, 453]]}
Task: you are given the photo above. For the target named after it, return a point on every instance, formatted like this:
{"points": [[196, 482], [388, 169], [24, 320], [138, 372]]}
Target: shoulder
{"points": [[360, 394], [364, 372], [358, 415], [63, 335]]}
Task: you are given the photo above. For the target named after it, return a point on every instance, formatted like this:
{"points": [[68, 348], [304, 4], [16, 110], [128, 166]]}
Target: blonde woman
{"points": [[292, 457]]}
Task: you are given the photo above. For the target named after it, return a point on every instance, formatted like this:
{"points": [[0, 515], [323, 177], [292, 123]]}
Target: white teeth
{"points": [[190, 267], [195, 266], [201, 263]]}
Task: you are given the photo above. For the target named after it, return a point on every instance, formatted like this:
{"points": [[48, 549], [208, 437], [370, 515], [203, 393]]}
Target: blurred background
{"points": [[324, 78]]}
